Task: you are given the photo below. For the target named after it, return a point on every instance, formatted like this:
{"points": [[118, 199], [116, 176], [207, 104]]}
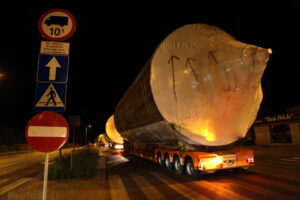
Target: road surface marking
{"points": [[13, 185], [296, 158], [259, 189], [224, 189], [290, 160], [275, 172], [3, 180], [115, 160], [178, 187], [273, 182], [285, 162], [150, 191], [117, 189]]}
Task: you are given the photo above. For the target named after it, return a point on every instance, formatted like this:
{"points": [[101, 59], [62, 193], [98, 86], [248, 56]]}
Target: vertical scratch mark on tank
{"points": [[211, 53], [173, 73], [193, 70], [174, 83]]}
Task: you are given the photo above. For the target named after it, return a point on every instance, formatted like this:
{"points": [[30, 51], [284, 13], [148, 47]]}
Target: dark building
{"points": [[281, 129]]}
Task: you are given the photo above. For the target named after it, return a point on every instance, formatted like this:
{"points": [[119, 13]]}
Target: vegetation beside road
{"points": [[83, 164]]}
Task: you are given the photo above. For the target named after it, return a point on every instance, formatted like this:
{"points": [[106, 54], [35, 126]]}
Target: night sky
{"points": [[113, 41]]}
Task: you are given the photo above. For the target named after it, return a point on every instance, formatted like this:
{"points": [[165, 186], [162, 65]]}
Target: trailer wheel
{"points": [[160, 160], [168, 164], [177, 166], [189, 168]]}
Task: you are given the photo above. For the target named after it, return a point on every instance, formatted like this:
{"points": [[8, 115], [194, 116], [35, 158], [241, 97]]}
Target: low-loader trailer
{"points": [[194, 162]]}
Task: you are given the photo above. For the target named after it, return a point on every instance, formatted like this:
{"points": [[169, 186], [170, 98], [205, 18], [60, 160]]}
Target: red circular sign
{"points": [[47, 131], [57, 25]]}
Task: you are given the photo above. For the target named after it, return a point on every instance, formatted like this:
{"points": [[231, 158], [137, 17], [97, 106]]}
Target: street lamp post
{"points": [[89, 126]]}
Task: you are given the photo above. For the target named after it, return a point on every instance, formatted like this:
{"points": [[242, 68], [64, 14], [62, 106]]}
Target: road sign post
{"points": [[47, 132], [45, 176], [74, 120], [52, 74]]}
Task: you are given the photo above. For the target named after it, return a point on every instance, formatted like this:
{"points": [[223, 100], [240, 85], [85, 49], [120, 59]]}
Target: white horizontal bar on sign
{"points": [[47, 131]]}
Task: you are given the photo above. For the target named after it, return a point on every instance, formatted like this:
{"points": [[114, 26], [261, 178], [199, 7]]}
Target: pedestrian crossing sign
{"points": [[50, 97]]}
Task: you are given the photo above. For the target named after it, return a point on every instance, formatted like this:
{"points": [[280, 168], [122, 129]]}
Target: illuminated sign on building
{"points": [[278, 118]]}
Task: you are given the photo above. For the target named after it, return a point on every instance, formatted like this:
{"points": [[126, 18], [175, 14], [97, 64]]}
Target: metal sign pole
{"points": [[45, 176]]}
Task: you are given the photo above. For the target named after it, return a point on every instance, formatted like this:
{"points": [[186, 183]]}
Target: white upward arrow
{"points": [[53, 64]]}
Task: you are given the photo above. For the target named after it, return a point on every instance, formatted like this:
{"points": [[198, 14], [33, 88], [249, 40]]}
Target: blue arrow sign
{"points": [[50, 97], [53, 68]]}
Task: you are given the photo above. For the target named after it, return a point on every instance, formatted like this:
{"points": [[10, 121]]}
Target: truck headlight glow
{"points": [[119, 146], [210, 163]]}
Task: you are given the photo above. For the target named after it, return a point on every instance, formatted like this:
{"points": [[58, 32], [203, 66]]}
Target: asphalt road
{"points": [[276, 175], [17, 168]]}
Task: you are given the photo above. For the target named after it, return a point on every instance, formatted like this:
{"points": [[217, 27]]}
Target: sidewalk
{"points": [[87, 189]]}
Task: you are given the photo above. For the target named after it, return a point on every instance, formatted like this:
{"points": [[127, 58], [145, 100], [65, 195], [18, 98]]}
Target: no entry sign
{"points": [[47, 131]]}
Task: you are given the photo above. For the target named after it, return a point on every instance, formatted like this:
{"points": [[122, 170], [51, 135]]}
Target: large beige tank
{"points": [[102, 139], [112, 132], [201, 86]]}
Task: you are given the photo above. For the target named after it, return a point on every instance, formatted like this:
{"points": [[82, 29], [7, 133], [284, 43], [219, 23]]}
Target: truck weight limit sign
{"points": [[57, 25]]}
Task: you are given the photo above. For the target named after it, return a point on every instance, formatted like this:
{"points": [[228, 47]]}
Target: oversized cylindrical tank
{"points": [[201, 86], [112, 132], [102, 139]]}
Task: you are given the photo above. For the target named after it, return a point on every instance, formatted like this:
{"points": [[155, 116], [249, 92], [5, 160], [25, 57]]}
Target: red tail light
{"points": [[251, 160]]}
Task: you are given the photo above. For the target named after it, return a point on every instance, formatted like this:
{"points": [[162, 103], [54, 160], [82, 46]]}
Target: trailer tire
{"points": [[160, 160], [189, 168], [177, 166], [168, 164]]}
